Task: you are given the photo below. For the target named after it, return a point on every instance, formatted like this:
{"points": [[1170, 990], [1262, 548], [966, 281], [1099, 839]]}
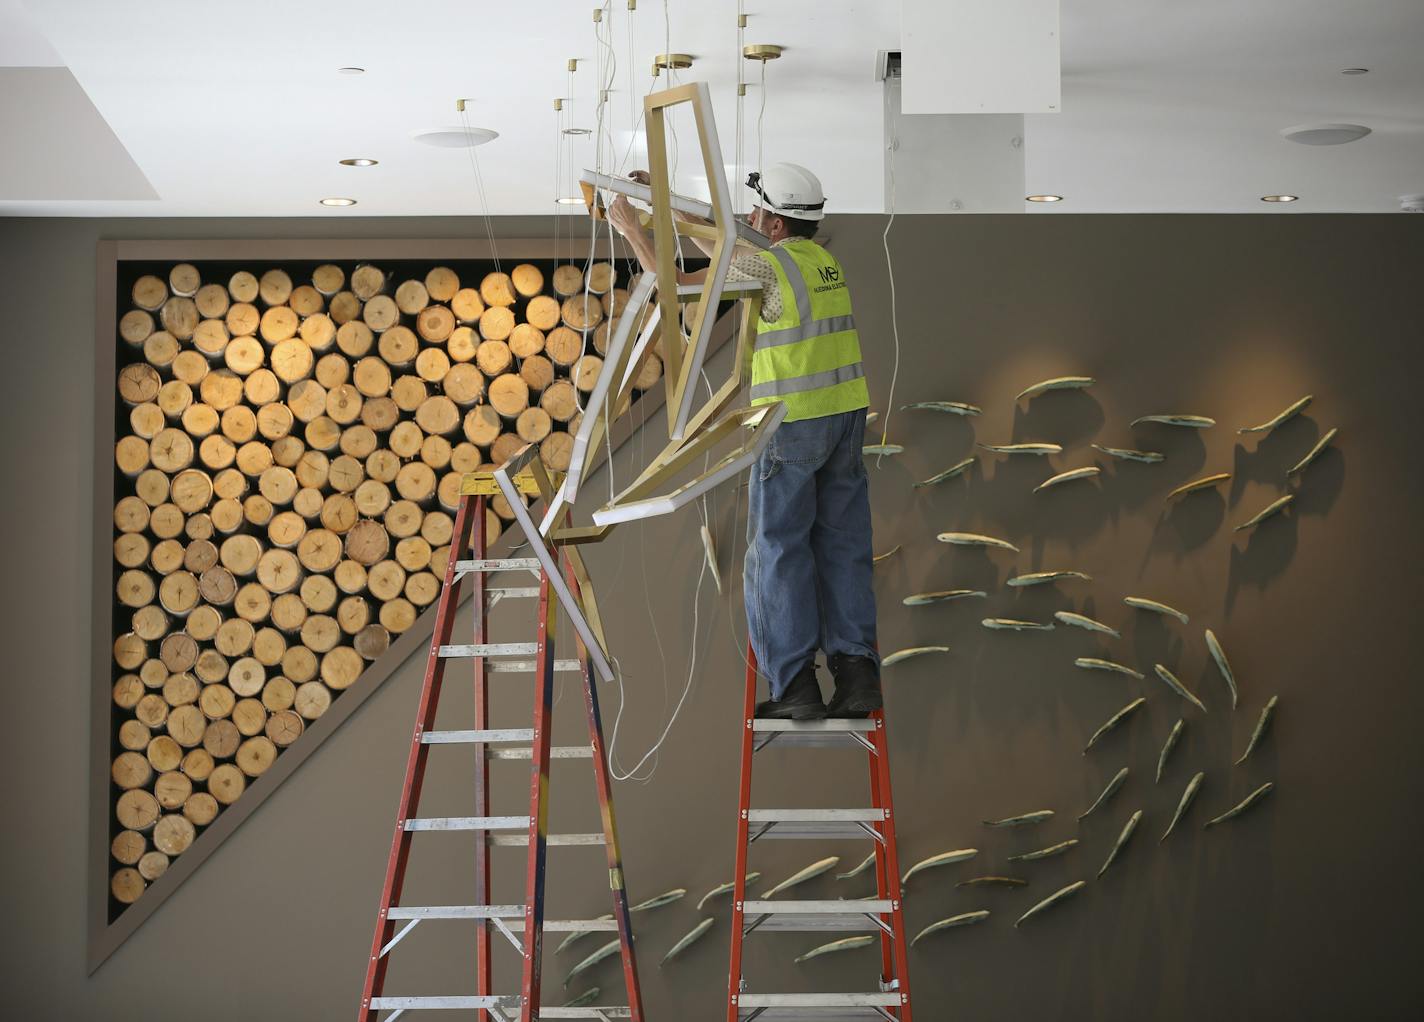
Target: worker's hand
{"points": [[623, 216]]}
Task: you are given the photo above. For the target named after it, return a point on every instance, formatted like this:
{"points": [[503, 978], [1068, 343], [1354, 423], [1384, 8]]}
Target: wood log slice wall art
{"points": [[289, 447]]}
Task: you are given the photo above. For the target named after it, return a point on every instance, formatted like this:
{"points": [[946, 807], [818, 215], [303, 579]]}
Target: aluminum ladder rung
{"points": [[809, 916], [513, 840], [509, 912], [821, 1007], [769, 824], [468, 823], [498, 564], [488, 649], [512, 593], [524, 734], [455, 912], [500, 1003], [557, 752], [457, 1001], [529, 666], [490, 737], [813, 733], [505, 649]]}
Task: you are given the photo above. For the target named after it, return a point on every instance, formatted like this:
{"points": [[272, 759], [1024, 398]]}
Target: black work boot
{"points": [[857, 686], [800, 701]]}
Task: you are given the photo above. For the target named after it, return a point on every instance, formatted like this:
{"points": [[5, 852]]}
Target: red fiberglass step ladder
{"points": [[882, 914], [522, 925]]}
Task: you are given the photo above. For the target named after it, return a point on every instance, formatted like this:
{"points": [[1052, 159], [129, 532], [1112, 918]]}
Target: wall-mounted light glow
{"points": [[568, 200], [1279, 198], [360, 161], [577, 131], [1043, 198], [338, 202], [350, 70]]}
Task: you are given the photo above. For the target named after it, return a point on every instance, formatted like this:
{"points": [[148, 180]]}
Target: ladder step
{"points": [[813, 733], [455, 912], [497, 1002], [525, 734], [821, 1007], [510, 912], [813, 726], [557, 752], [529, 666], [513, 840], [469, 823], [512, 593], [508, 1002], [495, 649], [490, 649], [807, 916], [490, 737], [499, 564], [813, 823]]}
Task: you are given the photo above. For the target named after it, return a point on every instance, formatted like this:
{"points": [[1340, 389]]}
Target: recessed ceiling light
{"points": [[359, 161], [570, 200], [577, 131], [1355, 71], [350, 70], [338, 202], [454, 138], [1324, 134], [1043, 198], [1279, 198]]}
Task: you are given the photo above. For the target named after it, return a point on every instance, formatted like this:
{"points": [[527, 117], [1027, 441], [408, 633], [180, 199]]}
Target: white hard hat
{"points": [[788, 189]]}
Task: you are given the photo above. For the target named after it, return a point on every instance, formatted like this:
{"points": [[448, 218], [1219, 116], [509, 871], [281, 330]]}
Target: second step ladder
{"points": [[524, 925], [883, 914]]}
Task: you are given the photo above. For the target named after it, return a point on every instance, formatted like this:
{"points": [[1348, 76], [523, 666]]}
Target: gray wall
{"points": [[1298, 910]]}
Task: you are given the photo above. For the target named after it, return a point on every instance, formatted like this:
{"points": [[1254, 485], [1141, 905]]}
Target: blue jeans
{"points": [[807, 575]]}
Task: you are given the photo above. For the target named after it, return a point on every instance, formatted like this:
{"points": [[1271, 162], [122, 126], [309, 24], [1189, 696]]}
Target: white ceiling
{"points": [[237, 110]]}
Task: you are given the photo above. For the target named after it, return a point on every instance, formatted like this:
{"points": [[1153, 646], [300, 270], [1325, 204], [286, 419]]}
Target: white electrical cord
{"points": [[893, 147]]}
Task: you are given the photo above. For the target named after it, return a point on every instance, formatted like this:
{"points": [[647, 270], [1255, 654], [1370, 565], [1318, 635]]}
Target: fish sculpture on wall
{"points": [[1128, 454], [1067, 477], [1189, 421], [1057, 383], [952, 407], [1315, 452], [1271, 424]]}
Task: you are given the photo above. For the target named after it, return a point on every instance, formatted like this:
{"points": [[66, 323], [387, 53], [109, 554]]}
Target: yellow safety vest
{"points": [[810, 357]]}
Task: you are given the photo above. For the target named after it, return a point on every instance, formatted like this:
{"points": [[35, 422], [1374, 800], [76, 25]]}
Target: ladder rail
{"points": [[739, 878], [893, 947], [886, 912], [415, 766], [484, 968], [538, 813], [469, 557], [604, 782]]}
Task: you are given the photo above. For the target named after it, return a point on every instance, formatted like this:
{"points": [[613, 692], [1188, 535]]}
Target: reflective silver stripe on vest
{"points": [[815, 381], [815, 328], [797, 282]]}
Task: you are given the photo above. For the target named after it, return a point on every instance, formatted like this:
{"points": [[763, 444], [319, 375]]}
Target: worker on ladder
{"points": [[807, 575]]}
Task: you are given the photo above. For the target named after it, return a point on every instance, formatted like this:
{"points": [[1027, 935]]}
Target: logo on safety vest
{"points": [[829, 274]]}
